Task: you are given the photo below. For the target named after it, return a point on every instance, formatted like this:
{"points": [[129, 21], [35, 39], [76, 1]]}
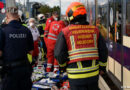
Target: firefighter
{"points": [[41, 28], [81, 49], [55, 29], [48, 23], [16, 42], [41, 25]]}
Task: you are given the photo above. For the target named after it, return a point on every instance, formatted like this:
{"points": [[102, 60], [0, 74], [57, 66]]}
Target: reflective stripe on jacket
{"points": [[82, 42]]}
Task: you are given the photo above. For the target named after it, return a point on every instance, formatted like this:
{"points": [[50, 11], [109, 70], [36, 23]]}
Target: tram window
{"points": [[118, 22], [128, 18], [115, 21]]}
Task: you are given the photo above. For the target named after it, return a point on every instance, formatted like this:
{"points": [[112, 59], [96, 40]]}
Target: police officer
{"points": [[41, 25], [16, 42], [0, 44], [81, 49]]}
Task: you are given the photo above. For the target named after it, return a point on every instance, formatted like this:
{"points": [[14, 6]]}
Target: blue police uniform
{"points": [[0, 50], [0, 39], [16, 42]]}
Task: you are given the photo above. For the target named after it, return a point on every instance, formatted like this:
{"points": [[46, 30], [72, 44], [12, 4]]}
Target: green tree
{"points": [[47, 9], [44, 9], [56, 8]]}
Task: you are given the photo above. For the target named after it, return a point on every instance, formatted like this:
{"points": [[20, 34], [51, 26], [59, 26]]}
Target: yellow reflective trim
{"points": [[63, 65], [79, 65], [95, 40], [93, 62], [72, 42], [86, 48], [24, 25], [81, 27], [83, 56], [44, 25], [102, 64], [29, 58], [82, 69], [75, 8], [71, 18], [87, 75], [42, 36], [82, 50]]}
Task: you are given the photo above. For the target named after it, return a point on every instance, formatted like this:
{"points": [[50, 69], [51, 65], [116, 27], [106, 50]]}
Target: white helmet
{"points": [[41, 17]]}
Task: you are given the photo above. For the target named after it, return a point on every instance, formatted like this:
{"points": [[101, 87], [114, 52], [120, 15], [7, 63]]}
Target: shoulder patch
{"points": [[55, 27]]}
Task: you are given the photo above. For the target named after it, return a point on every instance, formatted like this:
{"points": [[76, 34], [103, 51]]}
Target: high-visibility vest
{"points": [[80, 71], [29, 57], [43, 27], [82, 41], [24, 25]]}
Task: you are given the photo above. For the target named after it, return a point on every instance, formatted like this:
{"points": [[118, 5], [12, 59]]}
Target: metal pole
{"points": [[96, 11], [27, 4], [85, 3], [123, 33], [60, 8], [28, 7], [87, 11]]}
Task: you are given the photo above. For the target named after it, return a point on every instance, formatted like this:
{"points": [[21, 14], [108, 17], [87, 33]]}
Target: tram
{"points": [[115, 17]]}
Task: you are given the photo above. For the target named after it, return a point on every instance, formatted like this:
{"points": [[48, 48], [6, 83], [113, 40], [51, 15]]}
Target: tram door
{"points": [[115, 37]]}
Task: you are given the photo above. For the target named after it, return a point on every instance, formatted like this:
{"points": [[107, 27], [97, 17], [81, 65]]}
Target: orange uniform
{"points": [[47, 28], [54, 31]]}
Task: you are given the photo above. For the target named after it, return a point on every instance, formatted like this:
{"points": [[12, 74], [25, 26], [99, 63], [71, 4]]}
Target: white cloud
{"points": [[64, 3], [52, 3]]}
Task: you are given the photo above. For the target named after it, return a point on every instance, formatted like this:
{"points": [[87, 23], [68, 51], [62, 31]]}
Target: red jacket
{"points": [[81, 42], [48, 24], [55, 29]]}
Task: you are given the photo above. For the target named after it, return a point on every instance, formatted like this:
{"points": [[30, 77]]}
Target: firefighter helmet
{"points": [[75, 9], [41, 17]]}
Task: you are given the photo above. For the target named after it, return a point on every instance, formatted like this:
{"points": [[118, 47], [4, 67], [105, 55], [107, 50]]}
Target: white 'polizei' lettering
{"points": [[17, 36]]}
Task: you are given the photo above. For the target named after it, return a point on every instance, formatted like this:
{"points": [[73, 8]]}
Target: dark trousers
{"points": [[44, 46], [92, 86], [17, 79]]}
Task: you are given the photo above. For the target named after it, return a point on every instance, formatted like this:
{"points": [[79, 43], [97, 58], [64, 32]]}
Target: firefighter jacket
{"points": [[48, 24], [82, 49], [41, 28]]}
